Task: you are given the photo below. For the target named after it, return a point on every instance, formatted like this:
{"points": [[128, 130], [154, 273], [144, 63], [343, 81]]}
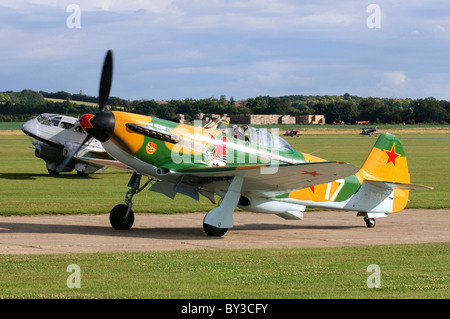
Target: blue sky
{"points": [[177, 49]]}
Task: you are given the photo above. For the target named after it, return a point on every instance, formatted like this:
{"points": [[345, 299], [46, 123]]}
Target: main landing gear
{"points": [[213, 230], [216, 222], [122, 216]]}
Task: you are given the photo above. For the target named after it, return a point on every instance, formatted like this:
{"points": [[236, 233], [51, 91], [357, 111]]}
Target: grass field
{"points": [[23, 176], [407, 271]]}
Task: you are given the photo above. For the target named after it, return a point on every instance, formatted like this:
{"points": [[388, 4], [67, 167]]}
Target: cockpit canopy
{"points": [[254, 135], [56, 120], [265, 138]]}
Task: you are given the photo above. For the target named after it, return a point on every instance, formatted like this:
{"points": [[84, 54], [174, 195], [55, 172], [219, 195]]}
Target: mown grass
{"points": [[406, 271], [26, 188]]}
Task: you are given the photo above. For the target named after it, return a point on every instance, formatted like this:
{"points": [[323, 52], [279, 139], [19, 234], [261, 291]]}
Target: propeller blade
{"points": [[71, 156], [105, 81]]}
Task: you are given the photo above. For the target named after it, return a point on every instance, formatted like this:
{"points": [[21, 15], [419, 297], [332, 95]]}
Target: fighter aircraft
{"points": [[56, 138], [372, 131], [245, 167]]}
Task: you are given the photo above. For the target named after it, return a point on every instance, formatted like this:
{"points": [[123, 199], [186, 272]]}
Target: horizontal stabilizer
{"points": [[403, 186]]}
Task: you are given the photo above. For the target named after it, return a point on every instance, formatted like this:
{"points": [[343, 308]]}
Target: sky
{"points": [[178, 49]]}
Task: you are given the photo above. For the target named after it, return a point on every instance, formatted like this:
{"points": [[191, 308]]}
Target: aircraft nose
{"points": [[99, 124], [29, 127]]}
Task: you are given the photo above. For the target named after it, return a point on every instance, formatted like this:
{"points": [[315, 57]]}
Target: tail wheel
{"points": [[370, 222], [118, 220]]}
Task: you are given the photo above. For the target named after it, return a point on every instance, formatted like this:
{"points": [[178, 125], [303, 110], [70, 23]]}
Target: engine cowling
{"points": [[48, 152]]}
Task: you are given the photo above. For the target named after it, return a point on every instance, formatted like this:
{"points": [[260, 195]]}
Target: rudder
{"points": [[387, 163]]}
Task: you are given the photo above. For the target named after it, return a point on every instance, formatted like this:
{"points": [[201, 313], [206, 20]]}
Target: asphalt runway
{"points": [[93, 233]]}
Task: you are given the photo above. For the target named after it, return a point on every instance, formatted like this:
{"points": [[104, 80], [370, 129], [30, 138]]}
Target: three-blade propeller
{"points": [[103, 95]]}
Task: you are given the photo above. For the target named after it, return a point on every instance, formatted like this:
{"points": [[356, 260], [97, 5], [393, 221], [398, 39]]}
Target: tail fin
{"points": [[386, 168], [387, 161]]}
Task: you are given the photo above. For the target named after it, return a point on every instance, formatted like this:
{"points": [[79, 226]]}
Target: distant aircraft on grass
{"points": [[372, 131], [56, 136], [246, 167]]}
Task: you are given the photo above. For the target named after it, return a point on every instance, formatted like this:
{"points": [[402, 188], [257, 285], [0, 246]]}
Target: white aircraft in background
{"points": [[57, 136]]}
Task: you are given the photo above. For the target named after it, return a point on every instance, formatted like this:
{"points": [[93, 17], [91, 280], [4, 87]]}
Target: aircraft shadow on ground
{"points": [[33, 176], [150, 232]]}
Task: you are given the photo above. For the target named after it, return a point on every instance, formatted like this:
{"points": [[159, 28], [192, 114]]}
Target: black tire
{"points": [[117, 220], [370, 222], [214, 231], [82, 174], [53, 172]]}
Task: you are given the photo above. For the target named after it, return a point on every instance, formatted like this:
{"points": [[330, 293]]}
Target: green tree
{"points": [[428, 110], [145, 107]]}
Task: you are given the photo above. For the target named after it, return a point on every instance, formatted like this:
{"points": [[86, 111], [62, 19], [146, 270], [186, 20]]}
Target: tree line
{"points": [[21, 106]]}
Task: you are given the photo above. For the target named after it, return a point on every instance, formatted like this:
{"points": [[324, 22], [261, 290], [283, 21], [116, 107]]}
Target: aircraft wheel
{"points": [[82, 174], [117, 217], [53, 172], [214, 231], [370, 222]]}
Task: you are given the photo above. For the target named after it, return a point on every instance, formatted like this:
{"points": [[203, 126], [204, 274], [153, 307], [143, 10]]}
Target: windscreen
{"points": [[266, 139]]}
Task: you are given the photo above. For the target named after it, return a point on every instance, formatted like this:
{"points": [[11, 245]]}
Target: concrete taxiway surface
{"points": [[93, 233]]}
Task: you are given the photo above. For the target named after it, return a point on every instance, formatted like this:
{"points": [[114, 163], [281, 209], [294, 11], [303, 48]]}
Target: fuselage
{"points": [[57, 130], [168, 151]]}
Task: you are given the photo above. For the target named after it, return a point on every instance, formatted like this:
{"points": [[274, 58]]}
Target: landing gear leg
{"points": [[122, 216], [220, 219]]}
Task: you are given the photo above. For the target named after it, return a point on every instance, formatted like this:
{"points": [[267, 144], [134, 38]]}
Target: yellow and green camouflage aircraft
{"points": [[245, 167]]}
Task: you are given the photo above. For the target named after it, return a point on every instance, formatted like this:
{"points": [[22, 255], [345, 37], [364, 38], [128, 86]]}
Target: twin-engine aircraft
{"points": [[56, 137], [246, 167]]}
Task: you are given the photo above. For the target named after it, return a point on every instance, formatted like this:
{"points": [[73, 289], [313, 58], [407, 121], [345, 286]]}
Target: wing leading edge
{"points": [[278, 179]]}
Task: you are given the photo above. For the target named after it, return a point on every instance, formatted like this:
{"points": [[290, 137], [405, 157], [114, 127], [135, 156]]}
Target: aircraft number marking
{"points": [[335, 194]]}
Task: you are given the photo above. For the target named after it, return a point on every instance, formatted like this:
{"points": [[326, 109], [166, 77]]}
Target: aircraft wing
{"points": [[274, 180], [105, 162]]}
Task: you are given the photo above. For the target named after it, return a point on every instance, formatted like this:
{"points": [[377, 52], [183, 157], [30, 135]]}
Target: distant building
{"points": [[261, 119], [264, 119], [310, 119], [208, 117]]}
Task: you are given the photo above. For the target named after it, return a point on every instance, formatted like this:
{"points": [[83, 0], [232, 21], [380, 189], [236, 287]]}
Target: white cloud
{"points": [[394, 78], [93, 5], [185, 48]]}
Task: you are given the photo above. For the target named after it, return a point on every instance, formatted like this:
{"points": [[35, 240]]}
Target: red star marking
{"points": [[314, 173], [86, 121], [313, 190], [391, 155]]}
